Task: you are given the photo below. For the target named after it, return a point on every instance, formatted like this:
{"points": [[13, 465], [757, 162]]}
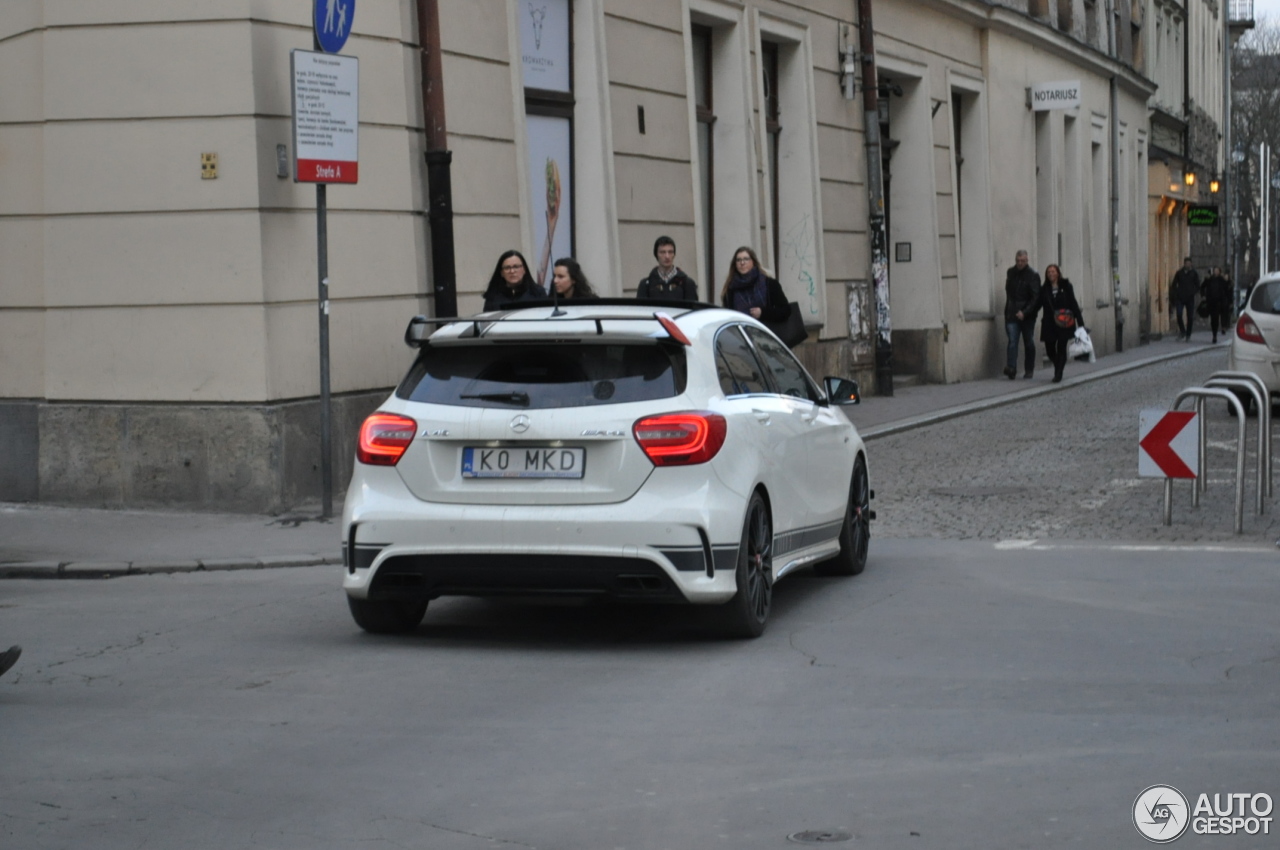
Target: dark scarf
{"points": [[747, 291]]}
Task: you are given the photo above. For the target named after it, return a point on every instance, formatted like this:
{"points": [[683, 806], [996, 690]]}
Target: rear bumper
{"points": [[668, 543], [1258, 359]]}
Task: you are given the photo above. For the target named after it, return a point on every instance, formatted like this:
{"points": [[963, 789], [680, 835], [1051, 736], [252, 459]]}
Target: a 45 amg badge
{"points": [[600, 432]]}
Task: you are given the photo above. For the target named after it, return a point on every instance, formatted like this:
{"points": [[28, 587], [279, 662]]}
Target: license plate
{"points": [[484, 462]]}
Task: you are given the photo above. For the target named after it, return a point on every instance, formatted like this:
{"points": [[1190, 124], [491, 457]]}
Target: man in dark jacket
{"points": [[1216, 291], [666, 282], [1022, 291], [1182, 292]]}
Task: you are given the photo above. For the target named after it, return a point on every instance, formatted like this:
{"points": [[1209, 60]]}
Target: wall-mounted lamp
{"points": [[1174, 187], [1214, 185], [1189, 178]]}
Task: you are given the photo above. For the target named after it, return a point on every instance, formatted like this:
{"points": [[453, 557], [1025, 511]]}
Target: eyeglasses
{"points": [[515, 268], [742, 259]]}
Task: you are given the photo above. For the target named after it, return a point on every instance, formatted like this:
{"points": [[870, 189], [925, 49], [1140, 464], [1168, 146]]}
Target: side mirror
{"points": [[842, 391]]}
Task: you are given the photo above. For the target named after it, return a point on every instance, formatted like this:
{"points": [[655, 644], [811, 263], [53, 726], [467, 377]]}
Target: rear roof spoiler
{"points": [[416, 333]]}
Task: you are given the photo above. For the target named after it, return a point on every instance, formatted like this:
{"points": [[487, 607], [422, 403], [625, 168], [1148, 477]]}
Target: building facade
{"points": [[159, 327]]}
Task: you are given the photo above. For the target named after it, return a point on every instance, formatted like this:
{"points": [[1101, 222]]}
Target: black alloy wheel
{"points": [[855, 534], [387, 616], [747, 612]]}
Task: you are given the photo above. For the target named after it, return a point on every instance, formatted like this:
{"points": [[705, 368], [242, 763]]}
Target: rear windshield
{"points": [[1266, 298], [544, 375]]}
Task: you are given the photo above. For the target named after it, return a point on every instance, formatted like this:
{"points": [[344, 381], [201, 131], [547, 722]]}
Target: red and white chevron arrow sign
{"points": [[1167, 444]]}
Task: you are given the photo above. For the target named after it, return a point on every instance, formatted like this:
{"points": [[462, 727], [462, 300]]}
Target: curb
{"points": [[924, 420], [118, 569]]}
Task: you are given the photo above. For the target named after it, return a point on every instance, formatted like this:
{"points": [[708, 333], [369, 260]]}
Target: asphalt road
{"points": [[956, 695]]}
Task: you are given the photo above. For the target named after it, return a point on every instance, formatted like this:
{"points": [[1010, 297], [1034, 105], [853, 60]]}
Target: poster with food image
{"points": [[550, 192]]}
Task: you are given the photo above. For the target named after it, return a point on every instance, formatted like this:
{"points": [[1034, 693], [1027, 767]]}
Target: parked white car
{"points": [[1255, 345], [668, 453]]}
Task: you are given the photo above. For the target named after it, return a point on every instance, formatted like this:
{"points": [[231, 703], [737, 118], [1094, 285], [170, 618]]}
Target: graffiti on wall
{"points": [[799, 249]]}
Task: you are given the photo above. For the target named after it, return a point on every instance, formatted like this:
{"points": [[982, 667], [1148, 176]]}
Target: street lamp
{"points": [[1189, 178]]}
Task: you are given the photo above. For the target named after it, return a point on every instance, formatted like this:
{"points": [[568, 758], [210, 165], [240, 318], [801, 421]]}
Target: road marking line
{"points": [[1037, 545]]}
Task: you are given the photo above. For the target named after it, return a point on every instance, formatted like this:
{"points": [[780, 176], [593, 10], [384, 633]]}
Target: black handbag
{"points": [[1203, 310], [791, 330]]}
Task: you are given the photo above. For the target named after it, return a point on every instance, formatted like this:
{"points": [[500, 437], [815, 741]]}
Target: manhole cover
{"points": [[979, 491], [819, 836]]}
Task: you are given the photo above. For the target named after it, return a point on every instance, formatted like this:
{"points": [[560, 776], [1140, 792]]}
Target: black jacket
{"points": [[778, 309], [1021, 289], [1216, 290], [1185, 286], [524, 292], [1050, 302], [680, 288]]}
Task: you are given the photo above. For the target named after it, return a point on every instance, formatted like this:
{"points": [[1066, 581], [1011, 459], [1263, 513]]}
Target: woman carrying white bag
{"points": [[1080, 347]]}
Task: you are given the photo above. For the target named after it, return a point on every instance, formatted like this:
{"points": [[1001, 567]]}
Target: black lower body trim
{"points": [[430, 576]]}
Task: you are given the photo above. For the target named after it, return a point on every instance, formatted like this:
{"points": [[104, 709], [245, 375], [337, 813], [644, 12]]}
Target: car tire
{"points": [[855, 533], [386, 616], [745, 615]]}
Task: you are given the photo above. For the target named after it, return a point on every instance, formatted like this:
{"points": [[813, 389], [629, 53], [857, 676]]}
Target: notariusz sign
{"points": [[1064, 95]]}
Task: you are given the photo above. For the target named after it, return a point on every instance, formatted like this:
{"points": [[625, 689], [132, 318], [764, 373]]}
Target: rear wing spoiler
{"points": [[418, 332]]}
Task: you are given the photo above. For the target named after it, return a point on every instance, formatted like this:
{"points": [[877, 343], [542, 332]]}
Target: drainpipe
{"points": [[439, 158], [1115, 181], [875, 187]]}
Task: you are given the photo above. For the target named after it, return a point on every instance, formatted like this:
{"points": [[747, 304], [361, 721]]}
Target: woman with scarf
{"points": [[748, 290], [1061, 317]]}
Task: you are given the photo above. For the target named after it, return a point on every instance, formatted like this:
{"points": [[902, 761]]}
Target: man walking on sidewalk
{"points": [[1021, 291], [1182, 292]]}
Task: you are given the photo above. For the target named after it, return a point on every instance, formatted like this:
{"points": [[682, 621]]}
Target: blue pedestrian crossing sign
{"points": [[333, 23]]}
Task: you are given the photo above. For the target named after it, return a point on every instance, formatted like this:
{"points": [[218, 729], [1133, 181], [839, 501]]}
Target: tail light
{"points": [[384, 438], [1248, 331], [680, 439]]}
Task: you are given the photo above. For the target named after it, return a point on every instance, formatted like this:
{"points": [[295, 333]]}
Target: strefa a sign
{"points": [[1062, 95], [326, 117]]}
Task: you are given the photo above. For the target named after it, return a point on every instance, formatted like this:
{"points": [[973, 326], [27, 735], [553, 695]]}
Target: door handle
{"points": [[760, 415]]}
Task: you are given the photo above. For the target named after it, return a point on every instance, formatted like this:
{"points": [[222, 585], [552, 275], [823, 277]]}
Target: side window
{"points": [[737, 365], [788, 375]]}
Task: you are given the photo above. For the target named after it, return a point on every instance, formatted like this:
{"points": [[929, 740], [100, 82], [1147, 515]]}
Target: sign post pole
{"points": [[326, 127], [326, 414]]}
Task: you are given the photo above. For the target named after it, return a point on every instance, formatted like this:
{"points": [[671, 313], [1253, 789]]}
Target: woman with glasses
{"points": [[511, 281], [749, 290]]}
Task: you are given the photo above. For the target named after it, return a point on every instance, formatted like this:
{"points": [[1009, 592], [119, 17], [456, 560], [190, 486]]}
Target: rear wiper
{"points": [[521, 399]]}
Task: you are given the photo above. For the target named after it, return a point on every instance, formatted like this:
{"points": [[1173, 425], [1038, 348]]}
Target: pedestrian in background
{"points": [[749, 290], [1021, 290], [1182, 292], [569, 281], [1216, 292], [1061, 317], [666, 282], [511, 281]]}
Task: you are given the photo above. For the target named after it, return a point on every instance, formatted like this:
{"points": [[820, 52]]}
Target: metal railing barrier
{"points": [[1234, 401], [1263, 433], [1264, 415]]}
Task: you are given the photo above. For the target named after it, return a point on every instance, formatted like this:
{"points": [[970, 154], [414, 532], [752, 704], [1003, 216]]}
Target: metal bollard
{"points": [[1263, 430], [1264, 414], [1214, 392]]}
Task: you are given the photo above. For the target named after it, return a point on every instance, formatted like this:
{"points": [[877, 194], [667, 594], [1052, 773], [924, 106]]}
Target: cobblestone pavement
{"points": [[1065, 466]]}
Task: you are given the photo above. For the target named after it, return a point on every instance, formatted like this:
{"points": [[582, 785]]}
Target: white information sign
{"points": [[1063, 95], [326, 117], [544, 44]]}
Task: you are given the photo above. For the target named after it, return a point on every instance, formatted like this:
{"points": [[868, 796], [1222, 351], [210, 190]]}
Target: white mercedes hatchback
{"points": [[633, 450], [1255, 346]]}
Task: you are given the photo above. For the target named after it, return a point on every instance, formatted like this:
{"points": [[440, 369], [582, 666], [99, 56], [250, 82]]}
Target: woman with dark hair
{"points": [[511, 281], [749, 290], [570, 283], [1061, 317]]}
